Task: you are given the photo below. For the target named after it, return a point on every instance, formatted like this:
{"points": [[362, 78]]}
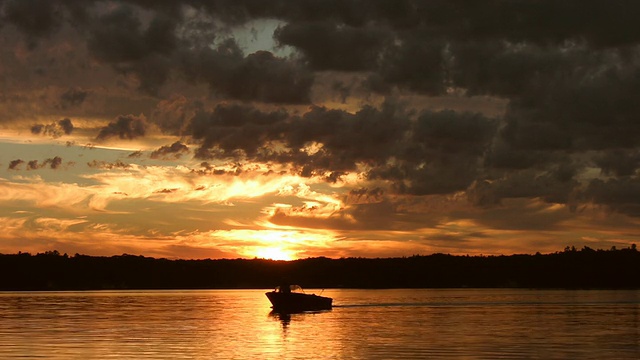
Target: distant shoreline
{"points": [[570, 269]]}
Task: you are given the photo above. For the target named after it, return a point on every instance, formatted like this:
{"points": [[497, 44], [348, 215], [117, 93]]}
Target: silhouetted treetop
{"points": [[571, 268]]}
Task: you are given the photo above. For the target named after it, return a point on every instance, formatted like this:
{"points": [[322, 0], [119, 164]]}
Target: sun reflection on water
{"points": [[378, 324]]}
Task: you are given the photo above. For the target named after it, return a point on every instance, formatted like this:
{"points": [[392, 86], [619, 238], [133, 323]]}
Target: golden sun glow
{"points": [[275, 254], [283, 244]]}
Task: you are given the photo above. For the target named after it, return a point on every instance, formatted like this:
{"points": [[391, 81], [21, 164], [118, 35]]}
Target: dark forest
{"points": [[572, 268]]}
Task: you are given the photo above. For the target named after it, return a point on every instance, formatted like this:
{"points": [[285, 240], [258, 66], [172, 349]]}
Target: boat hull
{"points": [[295, 302]]}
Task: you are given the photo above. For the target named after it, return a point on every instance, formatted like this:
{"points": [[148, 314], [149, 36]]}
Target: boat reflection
{"points": [[285, 317]]}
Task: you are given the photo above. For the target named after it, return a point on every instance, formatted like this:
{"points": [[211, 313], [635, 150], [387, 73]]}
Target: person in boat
{"points": [[287, 297]]}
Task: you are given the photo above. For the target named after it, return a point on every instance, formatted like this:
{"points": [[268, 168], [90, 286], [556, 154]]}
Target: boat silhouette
{"points": [[291, 298]]}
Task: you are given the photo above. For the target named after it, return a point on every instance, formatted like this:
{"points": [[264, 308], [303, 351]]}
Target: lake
{"points": [[364, 324]]}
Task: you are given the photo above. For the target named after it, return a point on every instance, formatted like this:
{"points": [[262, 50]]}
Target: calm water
{"points": [[365, 324]]}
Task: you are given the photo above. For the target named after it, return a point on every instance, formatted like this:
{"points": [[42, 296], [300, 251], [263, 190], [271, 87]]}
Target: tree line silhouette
{"points": [[571, 269]]}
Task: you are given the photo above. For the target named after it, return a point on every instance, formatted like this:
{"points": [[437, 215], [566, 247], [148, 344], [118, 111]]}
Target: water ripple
{"points": [[365, 324]]}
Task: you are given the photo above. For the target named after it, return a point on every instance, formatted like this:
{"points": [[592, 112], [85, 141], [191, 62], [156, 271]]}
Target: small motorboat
{"points": [[291, 298]]}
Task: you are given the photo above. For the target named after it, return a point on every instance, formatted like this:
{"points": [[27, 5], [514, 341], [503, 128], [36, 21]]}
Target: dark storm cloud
{"points": [[569, 71], [379, 212], [370, 137], [249, 130], [521, 214], [118, 38], [66, 125], [330, 46], [237, 127], [603, 24], [442, 154], [153, 53], [413, 63], [135, 154], [208, 169], [366, 136], [496, 67], [423, 46], [437, 44], [32, 165], [584, 110], [364, 196], [259, 76], [172, 115], [262, 76], [99, 164], [501, 156], [56, 129], [35, 18], [53, 163], [437, 152], [619, 162], [13, 164], [621, 195], [37, 129], [452, 132], [72, 98], [585, 113], [174, 151], [554, 186], [125, 127]]}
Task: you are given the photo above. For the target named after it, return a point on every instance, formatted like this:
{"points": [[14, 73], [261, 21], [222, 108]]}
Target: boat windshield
{"points": [[289, 288]]}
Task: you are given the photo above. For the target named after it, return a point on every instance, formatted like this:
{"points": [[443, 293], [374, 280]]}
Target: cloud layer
{"points": [[366, 102]]}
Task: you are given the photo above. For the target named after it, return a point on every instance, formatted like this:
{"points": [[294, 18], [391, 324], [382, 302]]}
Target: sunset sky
{"points": [[342, 128]]}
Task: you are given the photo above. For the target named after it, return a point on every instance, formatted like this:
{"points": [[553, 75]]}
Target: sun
{"points": [[274, 253], [275, 244]]}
